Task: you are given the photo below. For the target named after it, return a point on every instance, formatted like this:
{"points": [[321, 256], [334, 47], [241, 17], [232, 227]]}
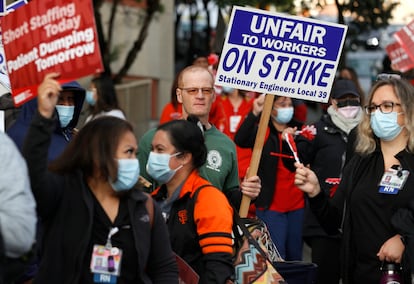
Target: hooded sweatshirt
{"points": [[61, 136]]}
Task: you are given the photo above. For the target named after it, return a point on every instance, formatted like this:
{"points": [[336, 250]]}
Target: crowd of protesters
{"points": [[346, 194]]}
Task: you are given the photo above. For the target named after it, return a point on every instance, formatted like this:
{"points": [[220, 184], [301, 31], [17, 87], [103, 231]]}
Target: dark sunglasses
{"points": [[344, 103], [386, 76]]}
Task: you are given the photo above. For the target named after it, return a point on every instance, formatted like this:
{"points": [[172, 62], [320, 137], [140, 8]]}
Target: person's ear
{"points": [[214, 96], [186, 158], [179, 96]]}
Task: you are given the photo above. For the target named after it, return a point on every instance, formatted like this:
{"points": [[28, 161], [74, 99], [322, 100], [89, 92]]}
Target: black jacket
{"points": [[403, 221], [337, 214], [326, 155], [245, 138], [65, 205]]}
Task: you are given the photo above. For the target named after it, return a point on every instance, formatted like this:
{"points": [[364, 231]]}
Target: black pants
{"points": [[326, 254]]}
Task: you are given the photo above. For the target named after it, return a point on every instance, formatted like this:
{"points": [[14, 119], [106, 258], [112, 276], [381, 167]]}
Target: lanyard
{"points": [[112, 232]]}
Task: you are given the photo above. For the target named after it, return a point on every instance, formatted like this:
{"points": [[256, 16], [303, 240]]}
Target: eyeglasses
{"points": [[386, 107], [386, 76], [195, 91]]}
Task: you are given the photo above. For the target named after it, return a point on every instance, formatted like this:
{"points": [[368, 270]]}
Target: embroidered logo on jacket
{"points": [[145, 218], [182, 216], [214, 160]]}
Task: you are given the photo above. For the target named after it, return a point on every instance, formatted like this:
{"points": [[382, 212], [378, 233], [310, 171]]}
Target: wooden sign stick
{"points": [[257, 150]]}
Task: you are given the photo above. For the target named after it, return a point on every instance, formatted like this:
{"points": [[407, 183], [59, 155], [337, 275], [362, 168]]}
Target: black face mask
{"points": [[350, 102]]}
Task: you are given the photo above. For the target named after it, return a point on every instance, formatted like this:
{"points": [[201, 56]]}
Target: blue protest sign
{"points": [[279, 54]]}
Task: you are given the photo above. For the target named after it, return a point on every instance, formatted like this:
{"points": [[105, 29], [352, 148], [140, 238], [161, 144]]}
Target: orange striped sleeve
{"points": [[213, 216]]}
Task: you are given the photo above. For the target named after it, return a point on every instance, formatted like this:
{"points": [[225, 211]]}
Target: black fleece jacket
{"points": [[65, 205], [358, 191]]}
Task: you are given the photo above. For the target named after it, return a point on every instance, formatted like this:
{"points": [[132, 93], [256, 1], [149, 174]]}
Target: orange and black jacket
{"points": [[200, 229]]}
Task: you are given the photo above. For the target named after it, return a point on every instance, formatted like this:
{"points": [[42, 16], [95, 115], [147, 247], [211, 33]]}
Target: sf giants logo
{"points": [[182, 216]]}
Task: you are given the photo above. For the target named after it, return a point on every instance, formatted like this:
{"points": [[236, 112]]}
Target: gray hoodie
{"points": [[17, 205]]}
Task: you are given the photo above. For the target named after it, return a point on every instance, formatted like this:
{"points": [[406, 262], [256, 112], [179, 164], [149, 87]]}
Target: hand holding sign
{"points": [[48, 95], [251, 186], [258, 104], [57, 36], [257, 150]]}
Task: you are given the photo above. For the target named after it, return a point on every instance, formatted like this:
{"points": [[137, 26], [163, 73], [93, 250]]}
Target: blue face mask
{"points": [[90, 98], [128, 173], [385, 125], [158, 167], [284, 115], [65, 114], [228, 90]]}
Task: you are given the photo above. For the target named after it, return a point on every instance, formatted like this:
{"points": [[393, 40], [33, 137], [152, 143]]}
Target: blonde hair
{"points": [[366, 141], [193, 69]]}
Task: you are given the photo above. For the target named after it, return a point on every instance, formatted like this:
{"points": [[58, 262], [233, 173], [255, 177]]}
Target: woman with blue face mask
{"points": [[200, 224], [102, 99], [376, 184], [97, 225], [280, 204]]}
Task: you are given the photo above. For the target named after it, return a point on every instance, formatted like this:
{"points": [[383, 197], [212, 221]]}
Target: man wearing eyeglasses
{"points": [[325, 152], [195, 92]]}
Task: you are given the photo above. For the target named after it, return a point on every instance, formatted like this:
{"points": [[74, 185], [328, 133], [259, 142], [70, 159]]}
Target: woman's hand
{"points": [[251, 186], [306, 180], [392, 250], [48, 95], [289, 130], [258, 104]]}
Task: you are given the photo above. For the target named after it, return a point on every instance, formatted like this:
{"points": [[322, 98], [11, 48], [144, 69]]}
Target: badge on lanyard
{"points": [[393, 180], [234, 122], [106, 261]]}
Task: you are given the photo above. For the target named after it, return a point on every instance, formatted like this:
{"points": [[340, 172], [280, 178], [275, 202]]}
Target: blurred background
{"points": [[145, 43]]}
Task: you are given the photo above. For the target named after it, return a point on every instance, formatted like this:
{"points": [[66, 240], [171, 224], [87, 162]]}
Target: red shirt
{"points": [[287, 196], [170, 113], [227, 120]]}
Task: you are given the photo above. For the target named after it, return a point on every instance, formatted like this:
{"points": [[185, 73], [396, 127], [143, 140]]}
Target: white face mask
{"points": [[349, 111]]}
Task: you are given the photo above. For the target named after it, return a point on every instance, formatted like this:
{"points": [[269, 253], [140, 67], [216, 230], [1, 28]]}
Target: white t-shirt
{"points": [[115, 112]]}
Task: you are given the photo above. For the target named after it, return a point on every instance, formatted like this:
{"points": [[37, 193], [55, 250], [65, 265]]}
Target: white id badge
{"points": [[393, 181], [106, 261], [234, 122]]}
